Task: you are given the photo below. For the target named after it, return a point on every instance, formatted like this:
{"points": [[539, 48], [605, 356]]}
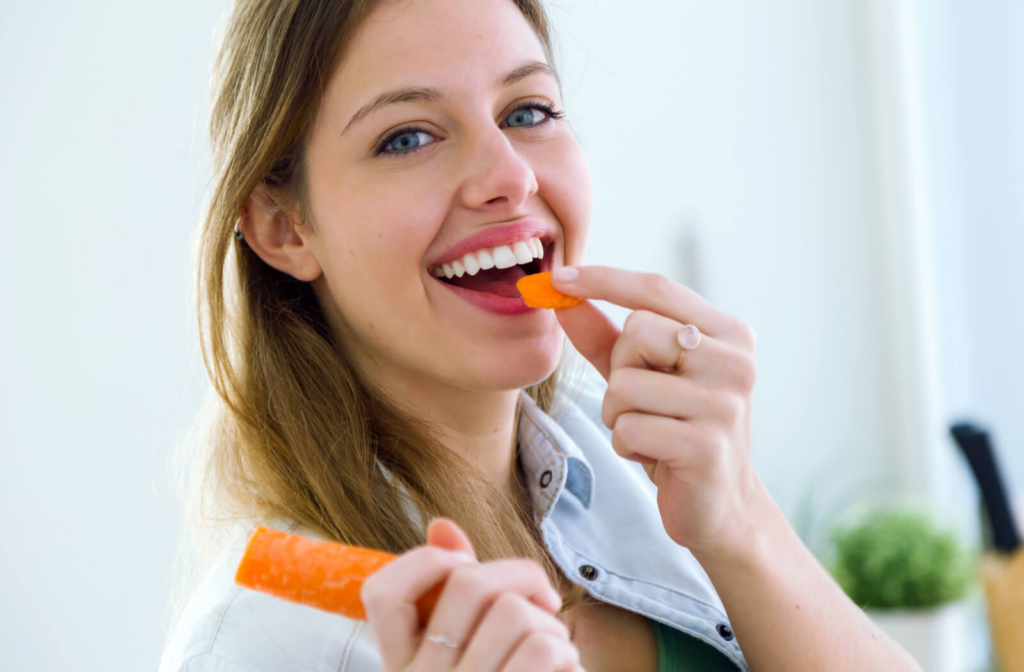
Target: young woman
{"points": [[397, 166]]}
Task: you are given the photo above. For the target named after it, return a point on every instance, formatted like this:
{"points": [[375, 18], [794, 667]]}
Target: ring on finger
{"points": [[688, 338], [443, 641]]}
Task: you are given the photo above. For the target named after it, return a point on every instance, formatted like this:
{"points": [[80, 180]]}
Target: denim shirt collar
{"points": [[613, 541], [551, 461]]}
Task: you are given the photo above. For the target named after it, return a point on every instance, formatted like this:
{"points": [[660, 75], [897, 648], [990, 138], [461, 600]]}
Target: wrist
{"points": [[757, 540]]}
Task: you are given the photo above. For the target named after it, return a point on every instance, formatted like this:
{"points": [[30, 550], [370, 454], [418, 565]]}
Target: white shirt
{"points": [[598, 516]]}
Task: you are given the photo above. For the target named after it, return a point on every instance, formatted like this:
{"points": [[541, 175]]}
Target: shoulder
{"points": [[226, 628]]}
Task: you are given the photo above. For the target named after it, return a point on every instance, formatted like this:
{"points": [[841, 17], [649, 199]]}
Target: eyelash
{"points": [[546, 108]]}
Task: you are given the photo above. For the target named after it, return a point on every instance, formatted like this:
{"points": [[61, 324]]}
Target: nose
{"points": [[496, 176]]}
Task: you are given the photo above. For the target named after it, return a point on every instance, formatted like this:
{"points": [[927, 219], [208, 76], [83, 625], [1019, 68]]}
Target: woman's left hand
{"points": [[680, 407]]}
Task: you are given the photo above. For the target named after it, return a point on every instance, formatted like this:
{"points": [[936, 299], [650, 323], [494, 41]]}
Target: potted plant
{"points": [[911, 577]]}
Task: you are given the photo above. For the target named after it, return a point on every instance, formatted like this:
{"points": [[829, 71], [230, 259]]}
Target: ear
{"points": [[276, 238]]}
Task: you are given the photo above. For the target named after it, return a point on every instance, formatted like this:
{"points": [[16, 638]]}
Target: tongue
{"points": [[500, 281]]}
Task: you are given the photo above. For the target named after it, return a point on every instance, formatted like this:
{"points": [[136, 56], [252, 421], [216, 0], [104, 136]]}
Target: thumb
{"points": [[444, 533], [592, 333]]}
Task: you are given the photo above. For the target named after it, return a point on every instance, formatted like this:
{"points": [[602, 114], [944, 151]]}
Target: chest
{"points": [[611, 639]]}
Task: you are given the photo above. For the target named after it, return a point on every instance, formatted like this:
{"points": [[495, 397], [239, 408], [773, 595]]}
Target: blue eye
{"points": [[406, 141], [525, 116]]}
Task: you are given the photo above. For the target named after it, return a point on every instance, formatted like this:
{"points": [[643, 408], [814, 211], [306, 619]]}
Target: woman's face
{"points": [[433, 144]]}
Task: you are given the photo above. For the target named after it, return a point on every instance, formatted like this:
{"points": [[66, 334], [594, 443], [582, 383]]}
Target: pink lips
{"points": [[493, 237]]}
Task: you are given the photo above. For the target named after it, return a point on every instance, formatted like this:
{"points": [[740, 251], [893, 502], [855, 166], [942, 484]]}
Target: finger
{"points": [[389, 596], [444, 533], [540, 652], [649, 340], [680, 444], [653, 292], [468, 595], [657, 393], [503, 628], [592, 333]]}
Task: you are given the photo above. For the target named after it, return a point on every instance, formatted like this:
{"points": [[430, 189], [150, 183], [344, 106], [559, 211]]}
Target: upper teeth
{"points": [[503, 256]]}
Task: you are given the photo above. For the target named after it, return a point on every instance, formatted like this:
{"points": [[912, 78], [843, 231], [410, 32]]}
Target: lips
{"points": [[492, 237], [483, 269]]}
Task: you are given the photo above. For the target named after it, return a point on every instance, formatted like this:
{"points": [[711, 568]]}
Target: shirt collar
{"points": [[551, 460]]}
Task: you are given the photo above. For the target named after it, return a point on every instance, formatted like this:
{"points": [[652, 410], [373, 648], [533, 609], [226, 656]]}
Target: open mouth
{"points": [[496, 270]]}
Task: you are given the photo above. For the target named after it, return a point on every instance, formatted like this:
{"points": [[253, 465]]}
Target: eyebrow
{"points": [[410, 94]]}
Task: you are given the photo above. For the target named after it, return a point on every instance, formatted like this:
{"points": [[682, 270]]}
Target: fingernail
{"points": [[566, 273], [688, 337], [465, 557], [556, 598]]}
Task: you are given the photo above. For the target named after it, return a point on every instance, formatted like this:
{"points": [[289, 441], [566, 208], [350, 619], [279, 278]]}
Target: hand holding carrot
{"points": [[490, 617], [680, 378]]}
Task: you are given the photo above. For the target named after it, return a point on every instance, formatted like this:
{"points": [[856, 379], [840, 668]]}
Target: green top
{"points": [[680, 652]]}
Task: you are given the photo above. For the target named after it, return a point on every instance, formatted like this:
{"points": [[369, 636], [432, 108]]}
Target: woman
{"points": [[397, 166]]}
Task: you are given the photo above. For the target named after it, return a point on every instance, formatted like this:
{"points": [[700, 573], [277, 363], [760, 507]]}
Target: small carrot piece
{"points": [[538, 292], [322, 574]]}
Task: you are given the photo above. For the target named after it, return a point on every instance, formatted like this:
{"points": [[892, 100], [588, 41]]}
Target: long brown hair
{"points": [[290, 429]]}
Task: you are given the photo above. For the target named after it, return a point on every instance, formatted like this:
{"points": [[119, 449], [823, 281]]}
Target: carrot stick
{"points": [[538, 292], [321, 574]]}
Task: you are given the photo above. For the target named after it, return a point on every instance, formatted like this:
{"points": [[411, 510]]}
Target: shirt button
{"points": [[588, 572], [545, 478], [725, 631]]}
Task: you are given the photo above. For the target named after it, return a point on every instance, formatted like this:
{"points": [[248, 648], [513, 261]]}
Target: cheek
{"points": [[564, 181], [376, 233]]}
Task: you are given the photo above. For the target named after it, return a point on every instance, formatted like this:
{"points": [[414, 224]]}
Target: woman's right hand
{"points": [[501, 614]]}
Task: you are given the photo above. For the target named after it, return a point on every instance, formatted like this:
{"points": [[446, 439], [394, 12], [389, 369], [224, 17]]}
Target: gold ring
{"points": [[686, 340]]}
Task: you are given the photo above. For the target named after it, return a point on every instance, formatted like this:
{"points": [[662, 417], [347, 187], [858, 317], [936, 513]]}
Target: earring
{"points": [[238, 234]]}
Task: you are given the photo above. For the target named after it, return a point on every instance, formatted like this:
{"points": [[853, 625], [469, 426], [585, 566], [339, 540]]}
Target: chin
{"points": [[518, 365]]}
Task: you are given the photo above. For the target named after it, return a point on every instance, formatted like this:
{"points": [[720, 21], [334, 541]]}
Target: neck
{"points": [[480, 426]]}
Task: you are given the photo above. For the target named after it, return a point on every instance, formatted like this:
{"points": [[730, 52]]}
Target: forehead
{"points": [[455, 45]]}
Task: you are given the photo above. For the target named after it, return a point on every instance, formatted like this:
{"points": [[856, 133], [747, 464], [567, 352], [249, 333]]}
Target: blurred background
{"points": [[846, 176]]}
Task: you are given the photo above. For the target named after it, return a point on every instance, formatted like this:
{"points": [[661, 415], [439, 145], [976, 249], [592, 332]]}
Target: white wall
{"points": [[974, 93], [740, 130], [102, 171], [731, 147]]}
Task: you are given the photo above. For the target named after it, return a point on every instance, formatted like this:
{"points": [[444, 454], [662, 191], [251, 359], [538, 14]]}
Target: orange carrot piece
{"points": [[538, 292], [322, 574]]}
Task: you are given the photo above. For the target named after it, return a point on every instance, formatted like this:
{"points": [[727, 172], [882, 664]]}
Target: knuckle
{"points": [[630, 325], [512, 611], [731, 408], [431, 555], [541, 649], [467, 581], [747, 335], [709, 441], [616, 397], [751, 378], [658, 284], [638, 322], [535, 572], [625, 435], [746, 372], [622, 383], [609, 406]]}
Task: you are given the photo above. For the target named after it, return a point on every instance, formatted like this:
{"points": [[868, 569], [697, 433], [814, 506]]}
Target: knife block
{"points": [[1003, 579]]}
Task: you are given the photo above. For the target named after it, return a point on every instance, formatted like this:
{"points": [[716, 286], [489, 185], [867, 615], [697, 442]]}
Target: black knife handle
{"points": [[975, 444]]}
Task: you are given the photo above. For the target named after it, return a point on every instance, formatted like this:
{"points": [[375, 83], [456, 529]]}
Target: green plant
{"points": [[898, 558]]}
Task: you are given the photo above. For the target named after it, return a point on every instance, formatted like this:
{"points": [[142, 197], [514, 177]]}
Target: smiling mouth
{"points": [[496, 270]]}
